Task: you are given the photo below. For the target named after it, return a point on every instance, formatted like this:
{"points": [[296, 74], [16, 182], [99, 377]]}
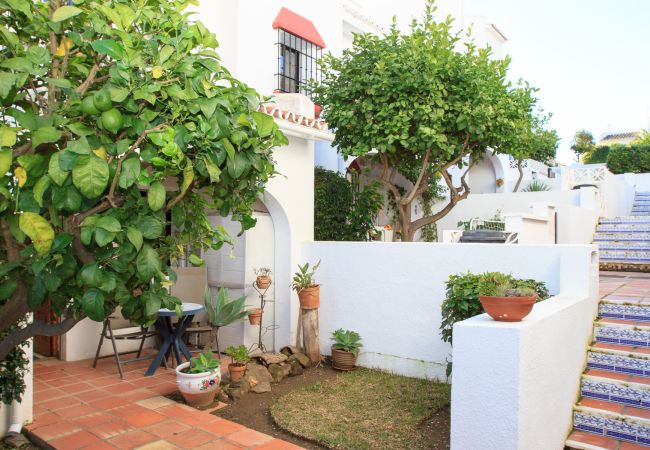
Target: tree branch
{"points": [[90, 79], [521, 175], [416, 185], [178, 198], [36, 328]]}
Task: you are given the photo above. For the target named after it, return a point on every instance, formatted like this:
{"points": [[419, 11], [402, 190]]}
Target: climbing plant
{"points": [[119, 121]]}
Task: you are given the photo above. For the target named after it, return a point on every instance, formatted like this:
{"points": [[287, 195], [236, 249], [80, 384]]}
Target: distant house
{"points": [[622, 137]]}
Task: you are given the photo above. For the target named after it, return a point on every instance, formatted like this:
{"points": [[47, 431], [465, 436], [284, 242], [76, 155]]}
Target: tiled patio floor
{"points": [[78, 407]]}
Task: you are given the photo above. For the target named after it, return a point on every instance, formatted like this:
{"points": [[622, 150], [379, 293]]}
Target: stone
{"points": [[302, 359], [290, 350], [259, 372], [16, 441], [262, 387], [279, 371], [244, 384], [222, 396], [296, 367], [236, 393], [272, 358]]}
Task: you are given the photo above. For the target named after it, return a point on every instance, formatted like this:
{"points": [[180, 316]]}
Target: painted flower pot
{"points": [[309, 297], [255, 316], [237, 371], [342, 360], [263, 282], [198, 389], [508, 309]]}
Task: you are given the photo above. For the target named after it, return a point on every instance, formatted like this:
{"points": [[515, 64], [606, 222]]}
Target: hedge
{"points": [[629, 159]]}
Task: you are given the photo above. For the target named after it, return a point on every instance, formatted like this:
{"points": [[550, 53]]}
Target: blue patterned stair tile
{"points": [[625, 312], [615, 393], [611, 427], [618, 363]]}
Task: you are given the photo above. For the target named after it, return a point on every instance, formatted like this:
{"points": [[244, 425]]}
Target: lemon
{"points": [[102, 101], [88, 106], [112, 120]]}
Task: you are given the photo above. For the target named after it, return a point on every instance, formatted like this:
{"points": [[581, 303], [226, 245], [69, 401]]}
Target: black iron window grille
{"points": [[297, 63]]}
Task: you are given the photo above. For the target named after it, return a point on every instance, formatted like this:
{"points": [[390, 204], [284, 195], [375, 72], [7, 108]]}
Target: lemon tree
{"points": [[119, 122], [421, 103]]}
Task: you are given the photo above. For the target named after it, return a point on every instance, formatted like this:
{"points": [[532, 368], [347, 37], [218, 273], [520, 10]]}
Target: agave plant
{"points": [[536, 186], [222, 311], [346, 340]]}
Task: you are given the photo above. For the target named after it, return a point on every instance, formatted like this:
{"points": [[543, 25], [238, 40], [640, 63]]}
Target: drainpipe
{"points": [[15, 418]]}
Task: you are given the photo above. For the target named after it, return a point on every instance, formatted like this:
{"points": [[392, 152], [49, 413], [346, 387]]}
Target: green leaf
{"points": [[152, 304], [103, 237], [65, 12], [7, 137], [264, 123], [130, 172], [5, 161], [80, 129], [92, 304], [60, 82], [109, 47], [7, 81], [156, 196], [91, 275], [135, 237], [45, 135], [118, 94], [40, 187], [109, 223], [7, 289], [7, 267], [230, 150], [36, 293], [148, 263], [90, 175], [38, 230], [11, 38], [150, 227]]}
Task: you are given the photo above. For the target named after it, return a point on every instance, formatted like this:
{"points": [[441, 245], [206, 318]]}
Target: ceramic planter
{"points": [[263, 282], [508, 309], [255, 316], [343, 360], [198, 389], [309, 297], [237, 371]]}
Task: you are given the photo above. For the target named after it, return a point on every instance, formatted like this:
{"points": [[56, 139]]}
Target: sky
{"points": [[590, 60]]}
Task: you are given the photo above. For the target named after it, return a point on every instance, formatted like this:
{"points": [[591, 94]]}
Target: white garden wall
{"points": [[391, 293], [514, 384]]}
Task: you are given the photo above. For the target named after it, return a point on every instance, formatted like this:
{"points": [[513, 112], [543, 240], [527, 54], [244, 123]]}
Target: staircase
{"points": [[614, 407], [624, 242]]}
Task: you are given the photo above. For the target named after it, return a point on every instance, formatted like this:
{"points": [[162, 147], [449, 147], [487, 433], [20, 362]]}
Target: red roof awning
{"points": [[298, 25]]}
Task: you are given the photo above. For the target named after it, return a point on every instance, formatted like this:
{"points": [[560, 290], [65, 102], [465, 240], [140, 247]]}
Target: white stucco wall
{"points": [[391, 293], [515, 383]]}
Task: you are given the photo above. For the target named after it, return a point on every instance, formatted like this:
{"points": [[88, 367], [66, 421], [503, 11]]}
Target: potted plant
{"points": [[387, 233], [263, 280], [345, 349], [505, 302], [222, 311], [239, 356], [198, 380], [255, 316], [307, 289]]}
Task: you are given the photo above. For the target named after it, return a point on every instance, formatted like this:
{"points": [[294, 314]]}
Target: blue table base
{"points": [[172, 341]]}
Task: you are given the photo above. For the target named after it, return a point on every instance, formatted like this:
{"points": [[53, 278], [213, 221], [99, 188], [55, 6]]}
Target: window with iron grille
{"points": [[297, 63]]}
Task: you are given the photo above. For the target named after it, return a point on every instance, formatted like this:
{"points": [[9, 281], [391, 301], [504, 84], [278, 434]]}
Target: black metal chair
{"points": [[107, 333]]}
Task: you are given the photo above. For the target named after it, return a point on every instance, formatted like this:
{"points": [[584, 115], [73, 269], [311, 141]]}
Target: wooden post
{"points": [[310, 335]]}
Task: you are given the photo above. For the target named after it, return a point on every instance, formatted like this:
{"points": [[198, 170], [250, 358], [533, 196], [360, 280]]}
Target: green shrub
{"points": [[463, 290], [598, 155], [343, 211], [631, 158]]}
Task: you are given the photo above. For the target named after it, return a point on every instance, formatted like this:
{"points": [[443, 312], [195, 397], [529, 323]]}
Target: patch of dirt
{"points": [[436, 428], [252, 410]]}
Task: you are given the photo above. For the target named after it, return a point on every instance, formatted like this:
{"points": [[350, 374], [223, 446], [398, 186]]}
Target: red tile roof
{"points": [[298, 25], [290, 116]]}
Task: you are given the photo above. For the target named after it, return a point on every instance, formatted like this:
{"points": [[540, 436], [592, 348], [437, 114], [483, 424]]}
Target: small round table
{"points": [[172, 337]]}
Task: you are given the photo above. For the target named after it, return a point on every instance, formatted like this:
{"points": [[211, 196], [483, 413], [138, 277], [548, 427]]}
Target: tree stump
{"points": [[310, 335]]}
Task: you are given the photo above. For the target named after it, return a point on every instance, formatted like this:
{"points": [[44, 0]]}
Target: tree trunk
{"points": [[310, 334], [521, 175]]}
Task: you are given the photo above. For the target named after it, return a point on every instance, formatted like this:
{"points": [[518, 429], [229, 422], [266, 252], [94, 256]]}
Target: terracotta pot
{"points": [[508, 309], [255, 316], [263, 282], [237, 371], [309, 297], [198, 389], [343, 360]]}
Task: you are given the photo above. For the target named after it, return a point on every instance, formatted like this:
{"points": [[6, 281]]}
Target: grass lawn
{"points": [[363, 409]]}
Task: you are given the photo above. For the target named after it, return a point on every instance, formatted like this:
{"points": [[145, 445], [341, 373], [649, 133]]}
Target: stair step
{"points": [[621, 237], [624, 219], [624, 228], [618, 361], [624, 246], [579, 440], [616, 391], [609, 420], [617, 309]]}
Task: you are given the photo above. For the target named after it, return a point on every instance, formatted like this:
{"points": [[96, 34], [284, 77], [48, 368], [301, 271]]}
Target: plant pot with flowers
{"points": [[306, 287], [505, 302], [263, 280], [239, 356], [345, 349], [198, 380]]}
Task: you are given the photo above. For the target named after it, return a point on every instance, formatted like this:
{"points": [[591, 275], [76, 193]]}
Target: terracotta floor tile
{"points": [[592, 439], [57, 430], [277, 444], [121, 388], [108, 430], [95, 394], [109, 403], [61, 381], [220, 444], [191, 438], [198, 418], [249, 438], [222, 427], [139, 394], [43, 420], [164, 388], [141, 420], [75, 441], [92, 420], [101, 445], [167, 428], [177, 410], [599, 404], [128, 410], [606, 374], [641, 380], [159, 445], [132, 439], [637, 412], [75, 411], [43, 395], [155, 402], [630, 446]]}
